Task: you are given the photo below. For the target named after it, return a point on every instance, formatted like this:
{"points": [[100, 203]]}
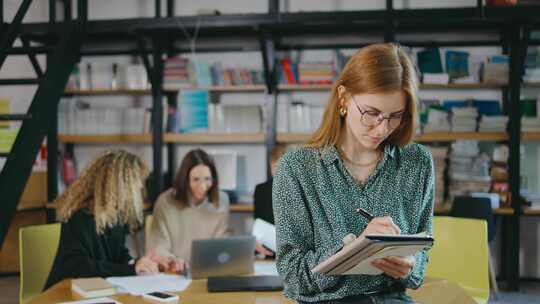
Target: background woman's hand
{"points": [[395, 267], [146, 265], [381, 225], [177, 266], [262, 250]]}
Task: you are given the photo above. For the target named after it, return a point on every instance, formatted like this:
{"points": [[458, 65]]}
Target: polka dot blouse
{"points": [[314, 199]]}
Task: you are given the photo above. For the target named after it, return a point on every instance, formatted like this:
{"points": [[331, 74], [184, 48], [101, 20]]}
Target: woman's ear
{"points": [[341, 91]]}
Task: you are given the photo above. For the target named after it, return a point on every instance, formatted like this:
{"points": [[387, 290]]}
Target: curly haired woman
{"points": [[97, 211]]}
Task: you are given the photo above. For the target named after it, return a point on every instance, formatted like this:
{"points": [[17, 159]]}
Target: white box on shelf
{"points": [[134, 76], [227, 167]]}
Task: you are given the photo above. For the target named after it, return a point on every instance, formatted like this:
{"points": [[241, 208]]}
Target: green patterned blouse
{"points": [[314, 199]]}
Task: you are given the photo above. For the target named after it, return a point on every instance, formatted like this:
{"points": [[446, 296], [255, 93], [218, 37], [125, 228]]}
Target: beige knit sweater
{"points": [[173, 229]]}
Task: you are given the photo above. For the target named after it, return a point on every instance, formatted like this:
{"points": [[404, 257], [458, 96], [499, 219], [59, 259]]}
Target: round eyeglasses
{"points": [[372, 118]]}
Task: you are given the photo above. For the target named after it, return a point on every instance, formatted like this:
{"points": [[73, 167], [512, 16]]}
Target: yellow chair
{"points": [[460, 255], [147, 229], [37, 250]]}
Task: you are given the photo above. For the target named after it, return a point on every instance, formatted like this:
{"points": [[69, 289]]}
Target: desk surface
{"points": [[196, 293]]}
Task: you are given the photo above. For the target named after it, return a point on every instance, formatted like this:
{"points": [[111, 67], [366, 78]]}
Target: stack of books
{"points": [[469, 169], [530, 124], [437, 121], [176, 72], [464, 119], [92, 287], [493, 123], [439, 159], [316, 72], [235, 76], [496, 70]]}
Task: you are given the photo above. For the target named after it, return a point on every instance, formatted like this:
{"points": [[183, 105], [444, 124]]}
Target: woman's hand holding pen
{"points": [[395, 267], [381, 225]]}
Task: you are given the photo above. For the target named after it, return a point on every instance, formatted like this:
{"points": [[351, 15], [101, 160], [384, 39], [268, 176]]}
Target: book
{"points": [[457, 64], [355, 257], [92, 287], [429, 61]]}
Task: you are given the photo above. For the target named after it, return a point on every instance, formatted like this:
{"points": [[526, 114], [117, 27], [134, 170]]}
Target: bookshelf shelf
{"points": [[530, 136], [238, 138], [427, 137], [285, 138], [461, 86], [531, 84], [234, 208], [531, 211], [445, 210], [452, 136], [219, 89], [104, 139], [242, 208], [451, 86], [105, 92], [304, 87], [215, 89], [217, 138]]}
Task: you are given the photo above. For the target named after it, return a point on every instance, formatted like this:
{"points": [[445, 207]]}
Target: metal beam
{"points": [[52, 11], [158, 8], [33, 59], [7, 39], [19, 163], [273, 7], [68, 14], [19, 81], [513, 227], [143, 53], [170, 8], [389, 29], [269, 58], [157, 118], [14, 117]]}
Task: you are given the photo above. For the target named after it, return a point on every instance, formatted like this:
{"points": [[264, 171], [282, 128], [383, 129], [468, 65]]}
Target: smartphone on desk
{"points": [[161, 297]]}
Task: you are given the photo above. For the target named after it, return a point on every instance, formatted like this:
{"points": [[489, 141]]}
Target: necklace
{"points": [[363, 165]]}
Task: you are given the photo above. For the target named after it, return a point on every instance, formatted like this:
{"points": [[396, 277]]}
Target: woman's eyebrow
{"points": [[375, 109]]}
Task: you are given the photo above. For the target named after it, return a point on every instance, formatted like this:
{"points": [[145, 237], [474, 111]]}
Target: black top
{"points": [[84, 253], [263, 202]]}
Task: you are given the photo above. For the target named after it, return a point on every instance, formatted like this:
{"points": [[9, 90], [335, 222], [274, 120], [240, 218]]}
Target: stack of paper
{"points": [[469, 170], [437, 121], [439, 158], [493, 123], [530, 124], [139, 285], [464, 119]]}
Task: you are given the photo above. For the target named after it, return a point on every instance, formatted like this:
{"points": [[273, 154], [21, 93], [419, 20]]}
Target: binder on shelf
{"points": [[356, 256], [193, 114]]}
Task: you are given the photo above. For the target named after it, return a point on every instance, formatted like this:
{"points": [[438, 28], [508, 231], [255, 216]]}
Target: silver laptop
{"points": [[222, 256]]}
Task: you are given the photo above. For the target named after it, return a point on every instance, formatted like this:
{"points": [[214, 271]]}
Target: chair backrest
{"points": [[460, 254], [37, 249], [147, 229], [477, 208]]}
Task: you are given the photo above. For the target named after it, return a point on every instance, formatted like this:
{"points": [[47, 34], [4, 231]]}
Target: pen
{"points": [[368, 216]]}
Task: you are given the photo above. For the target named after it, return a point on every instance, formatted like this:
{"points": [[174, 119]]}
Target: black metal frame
{"points": [[513, 24]]}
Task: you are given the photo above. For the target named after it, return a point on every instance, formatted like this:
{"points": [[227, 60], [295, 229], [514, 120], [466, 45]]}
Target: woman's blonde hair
{"points": [[378, 68], [111, 188]]}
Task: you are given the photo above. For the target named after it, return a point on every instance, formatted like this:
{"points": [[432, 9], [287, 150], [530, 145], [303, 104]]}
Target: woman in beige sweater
{"points": [[193, 209]]}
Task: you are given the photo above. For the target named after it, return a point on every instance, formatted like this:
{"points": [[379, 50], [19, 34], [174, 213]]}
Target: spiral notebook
{"points": [[356, 257]]}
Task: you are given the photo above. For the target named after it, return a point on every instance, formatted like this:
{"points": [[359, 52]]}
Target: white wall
{"points": [[254, 154]]}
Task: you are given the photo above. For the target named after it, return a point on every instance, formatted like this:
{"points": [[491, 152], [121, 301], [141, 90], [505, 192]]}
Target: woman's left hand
{"points": [[396, 267]]}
